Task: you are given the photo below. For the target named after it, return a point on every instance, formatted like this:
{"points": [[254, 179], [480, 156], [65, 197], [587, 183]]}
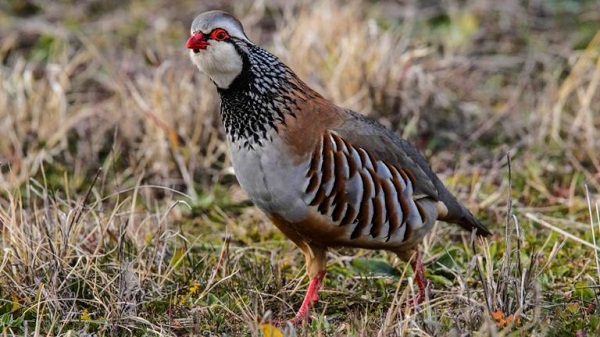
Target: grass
{"points": [[120, 214]]}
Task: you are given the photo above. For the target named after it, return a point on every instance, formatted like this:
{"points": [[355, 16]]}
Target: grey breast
{"points": [[271, 179]]}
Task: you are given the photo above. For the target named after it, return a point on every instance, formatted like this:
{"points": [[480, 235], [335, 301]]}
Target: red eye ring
{"points": [[219, 34]]}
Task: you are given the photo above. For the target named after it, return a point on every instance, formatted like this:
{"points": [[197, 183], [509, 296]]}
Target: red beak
{"points": [[197, 41]]}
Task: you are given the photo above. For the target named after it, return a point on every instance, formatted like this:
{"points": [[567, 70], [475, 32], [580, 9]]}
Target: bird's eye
{"points": [[219, 34]]}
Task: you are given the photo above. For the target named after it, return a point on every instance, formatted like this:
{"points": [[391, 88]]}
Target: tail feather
{"points": [[460, 215]]}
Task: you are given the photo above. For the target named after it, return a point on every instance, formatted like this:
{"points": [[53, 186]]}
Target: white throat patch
{"points": [[219, 61]]}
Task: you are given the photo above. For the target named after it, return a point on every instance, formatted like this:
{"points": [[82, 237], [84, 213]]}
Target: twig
{"points": [[587, 195], [560, 231]]}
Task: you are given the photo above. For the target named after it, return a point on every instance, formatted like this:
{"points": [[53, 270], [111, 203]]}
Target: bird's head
{"points": [[216, 46]]}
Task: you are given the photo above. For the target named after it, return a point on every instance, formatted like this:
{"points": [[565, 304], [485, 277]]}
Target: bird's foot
{"points": [[420, 280], [311, 297], [413, 304], [299, 319], [420, 296]]}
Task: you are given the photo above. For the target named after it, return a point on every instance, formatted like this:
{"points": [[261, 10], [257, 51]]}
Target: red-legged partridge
{"points": [[326, 176]]}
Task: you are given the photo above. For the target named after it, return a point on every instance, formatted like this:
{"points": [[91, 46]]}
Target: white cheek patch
{"points": [[219, 61]]}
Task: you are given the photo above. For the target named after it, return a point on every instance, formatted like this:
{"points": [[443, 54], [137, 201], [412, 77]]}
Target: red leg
{"points": [[420, 280], [312, 296]]}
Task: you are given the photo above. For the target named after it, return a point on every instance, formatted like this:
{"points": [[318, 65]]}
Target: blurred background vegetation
{"points": [[120, 213]]}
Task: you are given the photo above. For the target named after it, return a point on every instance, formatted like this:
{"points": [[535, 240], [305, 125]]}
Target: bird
{"points": [[325, 176]]}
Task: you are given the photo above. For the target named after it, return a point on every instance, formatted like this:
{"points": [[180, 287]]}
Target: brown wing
{"points": [[388, 147], [319, 116], [373, 200]]}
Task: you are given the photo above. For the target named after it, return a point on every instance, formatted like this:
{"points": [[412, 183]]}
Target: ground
{"points": [[120, 215]]}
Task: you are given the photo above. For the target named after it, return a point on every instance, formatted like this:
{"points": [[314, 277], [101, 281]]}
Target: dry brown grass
{"points": [[120, 215]]}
